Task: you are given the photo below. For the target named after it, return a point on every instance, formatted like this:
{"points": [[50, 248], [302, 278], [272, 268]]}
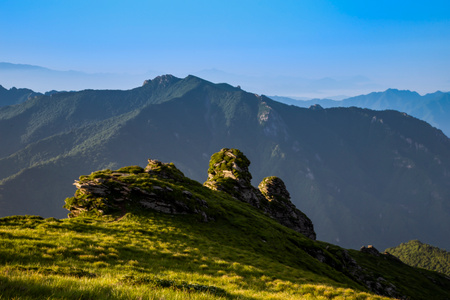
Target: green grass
{"points": [[156, 256], [134, 253]]}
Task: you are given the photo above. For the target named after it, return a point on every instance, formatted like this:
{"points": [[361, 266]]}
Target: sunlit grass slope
{"points": [[155, 256], [238, 253]]}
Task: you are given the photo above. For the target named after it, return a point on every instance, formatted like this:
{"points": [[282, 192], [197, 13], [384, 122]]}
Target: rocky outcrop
{"points": [[164, 170], [161, 81], [370, 250], [158, 187], [164, 188], [282, 209], [228, 171]]}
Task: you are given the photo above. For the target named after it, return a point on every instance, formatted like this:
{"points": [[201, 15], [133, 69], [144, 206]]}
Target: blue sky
{"points": [[293, 48]]}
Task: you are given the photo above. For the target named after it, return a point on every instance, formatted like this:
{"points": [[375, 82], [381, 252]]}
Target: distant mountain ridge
{"points": [[15, 96], [362, 176], [433, 108], [11, 66], [43, 79]]}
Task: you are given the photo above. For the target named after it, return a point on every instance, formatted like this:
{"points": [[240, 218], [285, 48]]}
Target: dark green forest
{"points": [[418, 254]]}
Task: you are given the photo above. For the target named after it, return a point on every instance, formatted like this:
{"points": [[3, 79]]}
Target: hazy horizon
{"points": [[291, 48]]}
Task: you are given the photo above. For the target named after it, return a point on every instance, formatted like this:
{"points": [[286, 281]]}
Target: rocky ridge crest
{"points": [[164, 188], [228, 171], [159, 187]]}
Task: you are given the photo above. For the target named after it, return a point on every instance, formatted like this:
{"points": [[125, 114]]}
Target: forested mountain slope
{"points": [[418, 254], [362, 176]]}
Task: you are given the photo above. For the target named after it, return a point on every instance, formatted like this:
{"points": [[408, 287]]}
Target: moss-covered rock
{"points": [[274, 189], [161, 187], [164, 170], [164, 188], [229, 163], [228, 171], [282, 209]]}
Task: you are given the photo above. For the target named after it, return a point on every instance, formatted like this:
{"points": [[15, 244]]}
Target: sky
{"points": [[310, 48]]}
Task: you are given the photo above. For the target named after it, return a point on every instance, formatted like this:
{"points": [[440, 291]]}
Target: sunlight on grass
{"points": [[74, 259]]}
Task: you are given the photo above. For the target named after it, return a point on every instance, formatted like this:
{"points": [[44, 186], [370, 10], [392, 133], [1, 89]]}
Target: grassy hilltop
{"points": [[152, 233]]}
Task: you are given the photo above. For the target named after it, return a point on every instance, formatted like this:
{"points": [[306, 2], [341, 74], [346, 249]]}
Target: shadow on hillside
{"points": [[10, 288]]}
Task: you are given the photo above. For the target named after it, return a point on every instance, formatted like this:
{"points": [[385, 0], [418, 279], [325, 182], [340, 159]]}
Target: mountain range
{"points": [[433, 108], [362, 176], [44, 79]]}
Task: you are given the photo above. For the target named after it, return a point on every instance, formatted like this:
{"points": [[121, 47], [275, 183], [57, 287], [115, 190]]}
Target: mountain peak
{"points": [[400, 92], [163, 80]]}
